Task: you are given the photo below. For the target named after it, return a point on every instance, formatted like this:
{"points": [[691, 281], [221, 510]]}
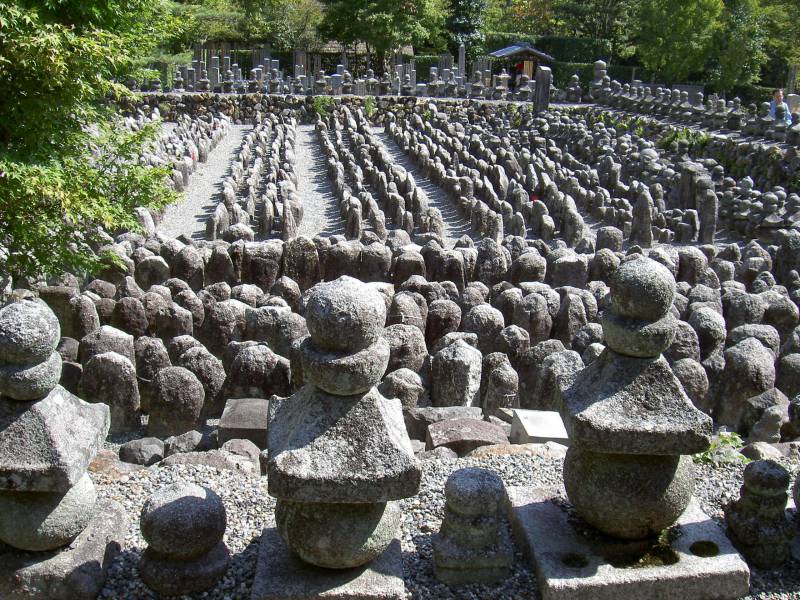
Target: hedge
{"points": [[751, 94], [563, 49]]}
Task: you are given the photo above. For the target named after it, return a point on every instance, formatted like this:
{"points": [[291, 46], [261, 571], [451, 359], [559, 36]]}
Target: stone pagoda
{"points": [[56, 539], [628, 474], [339, 458]]}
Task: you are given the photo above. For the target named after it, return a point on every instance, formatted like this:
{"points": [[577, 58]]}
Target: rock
{"points": [[551, 450], [244, 448], [40, 521], [749, 371], [144, 451], [537, 426], [404, 384], [190, 441], [472, 546], [407, 348], [29, 333], [456, 375], [110, 378], [177, 402], [107, 339], [417, 420], [218, 459], [183, 525], [209, 371], [463, 435], [344, 315], [60, 433], [761, 451], [244, 418], [757, 524]]}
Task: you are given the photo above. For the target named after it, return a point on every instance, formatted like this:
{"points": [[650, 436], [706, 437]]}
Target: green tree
{"points": [[532, 17], [782, 27], [676, 37], [594, 18], [738, 48], [383, 25], [286, 24], [465, 25], [66, 167]]}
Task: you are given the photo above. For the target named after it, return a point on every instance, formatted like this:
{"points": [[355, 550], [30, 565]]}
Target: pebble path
{"points": [[189, 216], [320, 212], [455, 225]]}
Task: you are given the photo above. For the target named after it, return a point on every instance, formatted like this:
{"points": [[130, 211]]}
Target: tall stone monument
{"points": [[339, 459], [627, 472], [544, 79], [56, 539]]}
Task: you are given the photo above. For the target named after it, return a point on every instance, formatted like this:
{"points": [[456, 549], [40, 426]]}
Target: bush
{"points": [[751, 94], [562, 71], [574, 49]]}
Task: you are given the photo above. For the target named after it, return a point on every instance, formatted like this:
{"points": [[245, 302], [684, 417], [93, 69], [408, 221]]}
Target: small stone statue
{"points": [[524, 91], [407, 89], [227, 85], [347, 83], [204, 85], [183, 525], [472, 545], [574, 91], [477, 85], [757, 522], [385, 85], [320, 85], [178, 81], [371, 83], [274, 81]]}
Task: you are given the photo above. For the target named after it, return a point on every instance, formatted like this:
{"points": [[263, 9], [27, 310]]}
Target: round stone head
{"points": [[642, 289], [344, 315]]}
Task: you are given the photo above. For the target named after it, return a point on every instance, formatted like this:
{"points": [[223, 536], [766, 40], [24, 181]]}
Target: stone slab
{"points": [[244, 419], [280, 575], [544, 533], [419, 419], [537, 426], [77, 572]]}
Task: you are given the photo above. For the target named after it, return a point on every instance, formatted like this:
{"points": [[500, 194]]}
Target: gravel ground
{"points": [[189, 215], [320, 213], [250, 509], [455, 225]]}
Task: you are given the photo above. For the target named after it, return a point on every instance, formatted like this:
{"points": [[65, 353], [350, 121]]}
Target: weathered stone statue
{"points": [[472, 546], [48, 504], [757, 522], [574, 91], [339, 456], [629, 420]]}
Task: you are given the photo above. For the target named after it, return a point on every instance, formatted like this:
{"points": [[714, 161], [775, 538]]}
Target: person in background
{"points": [[777, 100]]}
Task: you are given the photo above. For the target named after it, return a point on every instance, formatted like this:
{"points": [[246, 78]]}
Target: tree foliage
{"points": [[682, 47], [66, 167], [738, 47], [382, 25], [465, 25]]}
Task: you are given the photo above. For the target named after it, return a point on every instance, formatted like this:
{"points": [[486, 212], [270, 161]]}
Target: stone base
{"points": [[455, 565], [567, 568], [280, 575], [178, 577], [77, 572]]}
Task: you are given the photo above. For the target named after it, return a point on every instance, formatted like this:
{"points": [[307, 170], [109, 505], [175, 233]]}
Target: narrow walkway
{"points": [[189, 216], [320, 211], [455, 225]]}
